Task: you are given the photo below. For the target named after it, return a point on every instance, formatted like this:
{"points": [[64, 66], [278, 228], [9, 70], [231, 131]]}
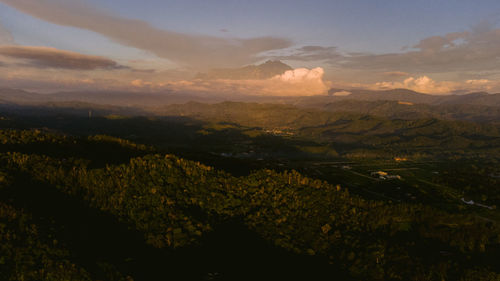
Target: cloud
{"points": [[141, 83], [424, 84], [468, 53], [262, 71], [32, 79], [308, 53], [474, 50], [297, 82], [480, 82], [396, 74], [186, 49], [342, 93], [5, 36], [421, 84], [301, 75], [302, 81], [45, 57], [437, 43]]}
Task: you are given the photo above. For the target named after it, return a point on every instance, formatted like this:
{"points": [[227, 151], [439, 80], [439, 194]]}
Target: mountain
{"points": [[480, 98], [393, 95], [115, 98], [18, 96], [392, 104], [412, 111], [405, 95], [266, 70]]}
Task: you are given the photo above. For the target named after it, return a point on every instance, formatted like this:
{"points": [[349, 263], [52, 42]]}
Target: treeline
{"points": [[174, 202], [11, 137], [98, 150]]}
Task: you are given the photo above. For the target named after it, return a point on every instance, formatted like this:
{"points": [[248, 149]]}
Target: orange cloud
{"points": [[297, 82], [342, 93], [43, 57], [424, 84]]}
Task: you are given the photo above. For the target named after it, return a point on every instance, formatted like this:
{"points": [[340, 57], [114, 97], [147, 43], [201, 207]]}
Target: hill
{"points": [[153, 215], [406, 95], [409, 111]]}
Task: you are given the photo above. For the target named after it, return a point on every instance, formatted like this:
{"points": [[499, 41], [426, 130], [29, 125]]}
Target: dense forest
{"points": [[169, 205], [211, 140]]}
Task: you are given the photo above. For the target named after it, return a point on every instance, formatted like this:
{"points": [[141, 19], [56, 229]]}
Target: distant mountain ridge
{"points": [[392, 104], [266, 70], [477, 98]]}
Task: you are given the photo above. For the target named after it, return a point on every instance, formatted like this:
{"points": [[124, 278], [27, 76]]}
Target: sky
{"points": [[430, 46]]}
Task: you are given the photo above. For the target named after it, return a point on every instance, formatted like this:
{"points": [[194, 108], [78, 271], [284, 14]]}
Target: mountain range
{"points": [[404, 96]]}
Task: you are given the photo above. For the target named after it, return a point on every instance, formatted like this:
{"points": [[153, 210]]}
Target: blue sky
{"points": [[367, 25], [360, 34], [357, 26]]}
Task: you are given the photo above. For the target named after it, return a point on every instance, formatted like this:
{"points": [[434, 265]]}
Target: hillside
{"points": [[406, 95], [380, 132], [418, 134], [410, 111], [163, 206]]}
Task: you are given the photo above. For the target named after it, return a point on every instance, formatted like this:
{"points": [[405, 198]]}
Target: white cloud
{"points": [[482, 82], [140, 83], [301, 75], [424, 84], [297, 82]]}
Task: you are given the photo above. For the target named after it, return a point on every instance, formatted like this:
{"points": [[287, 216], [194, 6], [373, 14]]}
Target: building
{"points": [[384, 175], [379, 174]]}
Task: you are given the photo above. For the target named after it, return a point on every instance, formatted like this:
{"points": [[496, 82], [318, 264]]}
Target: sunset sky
{"points": [[431, 46]]}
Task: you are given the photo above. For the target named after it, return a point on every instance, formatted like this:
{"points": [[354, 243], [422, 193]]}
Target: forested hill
{"points": [[162, 204], [279, 115], [354, 134], [477, 98], [400, 109], [271, 128]]}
